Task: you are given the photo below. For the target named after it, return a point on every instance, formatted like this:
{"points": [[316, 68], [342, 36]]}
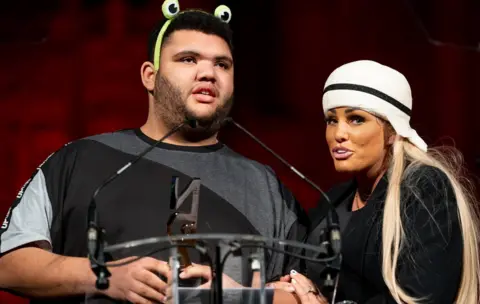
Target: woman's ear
{"points": [[390, 134], [392, 138], [147, 72]]}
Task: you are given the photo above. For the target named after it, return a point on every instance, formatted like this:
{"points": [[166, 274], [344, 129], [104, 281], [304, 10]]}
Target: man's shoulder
{"points": [[85, 144], [107, 137], [246, 162], [95, 139], [262, 174]]}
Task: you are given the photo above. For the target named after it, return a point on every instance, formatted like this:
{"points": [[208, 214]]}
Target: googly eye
{"points": [[170, 8], [224, 13]]}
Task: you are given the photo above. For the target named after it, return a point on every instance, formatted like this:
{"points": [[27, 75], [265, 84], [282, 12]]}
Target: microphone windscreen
{"points": [[193, 123]]}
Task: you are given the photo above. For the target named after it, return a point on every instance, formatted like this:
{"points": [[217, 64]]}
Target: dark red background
{"points": [[71, 69]]}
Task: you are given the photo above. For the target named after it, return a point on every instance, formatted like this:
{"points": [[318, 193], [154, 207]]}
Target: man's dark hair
{"points": [[191, 20]]}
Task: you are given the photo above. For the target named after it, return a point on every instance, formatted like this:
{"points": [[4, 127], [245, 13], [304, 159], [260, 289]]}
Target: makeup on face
{"points": [[355, 138]]}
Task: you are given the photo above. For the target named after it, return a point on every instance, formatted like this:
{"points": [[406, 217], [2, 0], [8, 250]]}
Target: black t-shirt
{"points": [[236, 196], [431, 264]]}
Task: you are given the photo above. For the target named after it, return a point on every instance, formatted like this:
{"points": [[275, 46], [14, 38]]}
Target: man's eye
{"points": [[223, 65], [188, 60]]}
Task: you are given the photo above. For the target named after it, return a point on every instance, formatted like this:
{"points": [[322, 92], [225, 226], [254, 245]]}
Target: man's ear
{"points": [[148, 74]]}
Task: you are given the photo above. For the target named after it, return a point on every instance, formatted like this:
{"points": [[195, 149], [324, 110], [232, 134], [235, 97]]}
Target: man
{"points": [[42, 243]]}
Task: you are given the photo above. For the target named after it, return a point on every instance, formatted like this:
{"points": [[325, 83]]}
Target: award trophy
{"points": [[187, 223]]}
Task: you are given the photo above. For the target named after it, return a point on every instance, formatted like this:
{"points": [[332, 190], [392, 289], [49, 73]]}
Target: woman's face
{"points": [[356, 140]]}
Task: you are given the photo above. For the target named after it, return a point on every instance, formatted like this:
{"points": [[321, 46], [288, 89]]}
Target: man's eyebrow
{"points": [[197, 54], [187, 53]]}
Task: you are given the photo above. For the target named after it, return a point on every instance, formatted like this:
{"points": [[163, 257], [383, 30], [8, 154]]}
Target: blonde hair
{"points": [[406, 158]]}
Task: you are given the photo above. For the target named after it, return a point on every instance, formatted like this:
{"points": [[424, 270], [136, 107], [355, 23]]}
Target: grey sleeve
{"points": [[292, 224], [30, 217], [36, 213]]}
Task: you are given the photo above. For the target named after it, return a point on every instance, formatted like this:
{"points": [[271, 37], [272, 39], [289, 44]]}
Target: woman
{"points": [[409, 226]]}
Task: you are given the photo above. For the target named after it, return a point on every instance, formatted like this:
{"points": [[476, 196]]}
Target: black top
{"points": [[237, 196], [431, 263]]}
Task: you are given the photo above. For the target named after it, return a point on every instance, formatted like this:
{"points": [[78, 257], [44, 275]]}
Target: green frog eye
{"points": [[170, 8], [224, 13]]}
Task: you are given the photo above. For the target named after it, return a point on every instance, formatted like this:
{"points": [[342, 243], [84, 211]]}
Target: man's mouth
{"points": [[204, 94]]}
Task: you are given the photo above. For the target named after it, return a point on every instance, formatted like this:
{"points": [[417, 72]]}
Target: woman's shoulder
{"points": [[430, 207], [424, 179], [427, 194]]}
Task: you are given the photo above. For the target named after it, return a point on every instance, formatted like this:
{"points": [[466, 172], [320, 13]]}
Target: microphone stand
{"points": [[332, 217], [229, 119], [96, 234], [333, 223]]}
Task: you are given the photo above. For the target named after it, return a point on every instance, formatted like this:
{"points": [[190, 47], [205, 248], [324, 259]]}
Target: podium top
{"points": [[243, 239], [309, 251]]}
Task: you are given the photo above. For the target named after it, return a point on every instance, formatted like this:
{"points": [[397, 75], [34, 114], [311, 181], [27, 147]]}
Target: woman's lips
{"points": [[341, 153]]}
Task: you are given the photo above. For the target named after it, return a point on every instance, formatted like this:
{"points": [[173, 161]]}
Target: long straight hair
{"points": [[406, 158]]}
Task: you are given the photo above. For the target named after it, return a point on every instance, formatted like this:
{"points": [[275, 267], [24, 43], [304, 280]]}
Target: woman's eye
{"points": [[356, 119], [330, 120]]}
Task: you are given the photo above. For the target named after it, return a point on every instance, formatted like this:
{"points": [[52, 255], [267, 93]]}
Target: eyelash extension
{"points": [[357, 118]]}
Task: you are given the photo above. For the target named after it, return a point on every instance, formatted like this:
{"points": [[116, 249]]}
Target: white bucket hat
{"points": [[375, 88]]}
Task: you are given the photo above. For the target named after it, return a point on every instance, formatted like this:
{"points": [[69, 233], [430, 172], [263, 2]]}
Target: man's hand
{"points": [[139, 282], [202, 271]]}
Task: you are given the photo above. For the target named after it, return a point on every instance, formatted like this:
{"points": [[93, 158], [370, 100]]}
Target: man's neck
{"points": [[156, 130]]}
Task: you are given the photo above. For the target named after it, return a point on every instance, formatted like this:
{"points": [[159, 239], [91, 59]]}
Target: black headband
{"points": [[372, 91]]}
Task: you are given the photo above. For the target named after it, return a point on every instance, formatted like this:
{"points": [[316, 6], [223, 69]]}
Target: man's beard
{"points": [[171, 109]]}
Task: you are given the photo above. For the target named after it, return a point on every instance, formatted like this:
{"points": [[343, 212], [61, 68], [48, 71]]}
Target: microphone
{"points": [[332, 216], [193, 123], [334, 227], [95, 234]]}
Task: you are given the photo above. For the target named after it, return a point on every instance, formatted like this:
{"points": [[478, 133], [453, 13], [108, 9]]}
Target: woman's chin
{"points": [[345, 167]]}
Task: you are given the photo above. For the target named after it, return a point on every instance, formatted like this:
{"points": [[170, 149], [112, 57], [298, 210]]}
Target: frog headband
{"points": [[171, 9]]}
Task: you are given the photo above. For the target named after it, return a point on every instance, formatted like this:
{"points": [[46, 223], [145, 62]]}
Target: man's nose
{"points": [[206, 72]]}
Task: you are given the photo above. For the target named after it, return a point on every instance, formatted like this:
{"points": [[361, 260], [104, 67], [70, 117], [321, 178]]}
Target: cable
{"points": [[298, 256]]}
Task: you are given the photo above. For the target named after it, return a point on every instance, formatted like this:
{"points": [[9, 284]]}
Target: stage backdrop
{"points": [[72, 68]]}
